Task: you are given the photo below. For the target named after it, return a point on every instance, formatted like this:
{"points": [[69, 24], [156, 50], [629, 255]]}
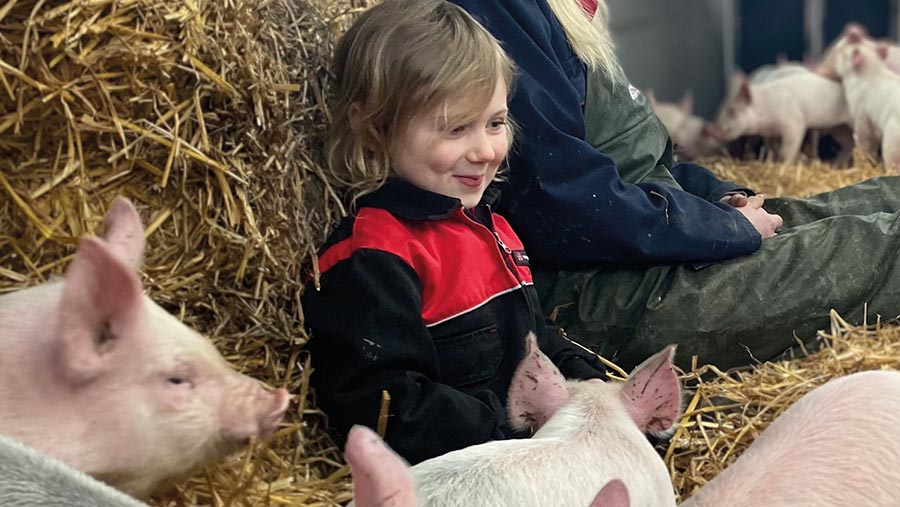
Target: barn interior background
{"points": [[696, 44], [208, 114]]}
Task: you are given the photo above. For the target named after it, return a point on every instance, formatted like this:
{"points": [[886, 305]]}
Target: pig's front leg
{"points": [[843, 135], [890, 146], [791, 140], [865, 137]]}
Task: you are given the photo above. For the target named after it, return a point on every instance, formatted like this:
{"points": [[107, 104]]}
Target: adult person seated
{"points": [[638, 250]]}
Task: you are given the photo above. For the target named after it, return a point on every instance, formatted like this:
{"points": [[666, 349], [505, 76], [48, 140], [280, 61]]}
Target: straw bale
{"points": [[208, 114]]}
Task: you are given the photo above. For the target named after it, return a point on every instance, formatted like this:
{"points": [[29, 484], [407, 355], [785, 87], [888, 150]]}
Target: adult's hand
{"points": [[764, 222], [741, 200], [736, 200]]}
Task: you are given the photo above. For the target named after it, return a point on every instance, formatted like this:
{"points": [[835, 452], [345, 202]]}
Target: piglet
{"points": [[873, 96], [96, 375], [837, 446], [856, 34], [589, 433], [381, 478], [782, 108], [690, 133]]}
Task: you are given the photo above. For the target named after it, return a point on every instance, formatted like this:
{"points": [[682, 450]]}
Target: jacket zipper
{"points": [[508, 261]]}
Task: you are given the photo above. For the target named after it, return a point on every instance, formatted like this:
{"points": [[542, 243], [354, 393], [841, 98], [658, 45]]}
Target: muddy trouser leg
{"points": [[870, 196], [739, 311]]}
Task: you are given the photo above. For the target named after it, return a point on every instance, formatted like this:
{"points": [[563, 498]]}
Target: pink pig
{"points": [[97, 375], [835, 447], [783, 108], [381, 478], [590, 433], [855, 34], [692, 136], [873, 95]]}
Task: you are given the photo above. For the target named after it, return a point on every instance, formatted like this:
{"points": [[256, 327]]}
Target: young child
{"points": [[424, 292]]}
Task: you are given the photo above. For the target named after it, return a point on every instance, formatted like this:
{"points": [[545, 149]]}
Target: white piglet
{"points": [[590, 433], [856, 34], [873, 96], [95, 374], [835, 447], [381, 478], [692, 136], [782, 108]]}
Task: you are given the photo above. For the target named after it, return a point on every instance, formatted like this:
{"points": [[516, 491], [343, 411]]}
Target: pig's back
{"points": [[836, 446], [767, 73], [820, 100], [29, 478], [543, 472], [671, 115]]}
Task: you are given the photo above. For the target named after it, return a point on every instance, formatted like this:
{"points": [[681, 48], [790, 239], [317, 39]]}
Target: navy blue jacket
{"points": [[564, 198]]}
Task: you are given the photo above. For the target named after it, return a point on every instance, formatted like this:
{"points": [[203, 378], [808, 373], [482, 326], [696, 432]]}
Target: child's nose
{"points": [[482, 149]]}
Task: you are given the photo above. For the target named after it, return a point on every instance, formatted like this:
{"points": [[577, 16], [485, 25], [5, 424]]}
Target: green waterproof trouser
{"points": [[838, 250]]}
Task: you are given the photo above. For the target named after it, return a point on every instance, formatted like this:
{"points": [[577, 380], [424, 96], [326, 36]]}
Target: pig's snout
{"points": [[268, 422], [257, 417]]}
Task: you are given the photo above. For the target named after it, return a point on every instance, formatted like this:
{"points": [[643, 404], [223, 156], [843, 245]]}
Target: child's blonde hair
{"points": [[399, 59]]}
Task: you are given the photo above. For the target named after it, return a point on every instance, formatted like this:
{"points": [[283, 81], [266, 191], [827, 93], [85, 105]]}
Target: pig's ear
{"points": [[882, 50], [855, 35], [537, 390], [687, 101], [614, 494], [737, 77], [101, 301], [744, 93], [652, 394], [125, 233], [380, 476]]}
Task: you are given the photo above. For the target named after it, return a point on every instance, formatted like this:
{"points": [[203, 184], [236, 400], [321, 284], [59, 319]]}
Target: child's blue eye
{"points": [[458, 130], [496, 124]]}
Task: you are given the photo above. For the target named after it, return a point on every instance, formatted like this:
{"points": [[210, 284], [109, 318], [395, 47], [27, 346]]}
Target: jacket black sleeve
{"points": [[366, 341], [565, 199]]}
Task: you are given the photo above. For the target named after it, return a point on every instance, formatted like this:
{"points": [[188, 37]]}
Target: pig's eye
{"points": [[181, 382]]}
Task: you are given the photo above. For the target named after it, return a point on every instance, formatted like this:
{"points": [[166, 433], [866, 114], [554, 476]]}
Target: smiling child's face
{"points": [[454, 159]]}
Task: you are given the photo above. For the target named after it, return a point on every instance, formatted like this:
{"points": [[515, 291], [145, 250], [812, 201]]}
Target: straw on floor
{"points": [[209, 115]]}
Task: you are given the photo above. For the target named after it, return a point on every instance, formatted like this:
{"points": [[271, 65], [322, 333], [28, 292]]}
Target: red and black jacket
{"points": [[432, 303]]}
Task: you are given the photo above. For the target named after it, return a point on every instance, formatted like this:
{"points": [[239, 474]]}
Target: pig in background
{"points": [[381, 478], [589, 434], [691, 134], [31, 479], [873, 95], [783, 104], [858, 35], [837, 446], [96, 375]]}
